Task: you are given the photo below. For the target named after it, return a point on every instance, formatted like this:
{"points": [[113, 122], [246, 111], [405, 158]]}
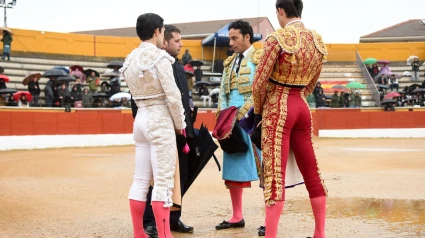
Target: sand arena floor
{"points": [[376, 189]]}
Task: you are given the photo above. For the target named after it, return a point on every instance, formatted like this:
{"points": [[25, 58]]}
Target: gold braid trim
{"points": [[289, 38], [320, 45], [229, 60], [272, 144], [256, 56]]}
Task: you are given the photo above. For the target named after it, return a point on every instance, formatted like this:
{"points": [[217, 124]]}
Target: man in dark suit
{"points": [[172, 44]]}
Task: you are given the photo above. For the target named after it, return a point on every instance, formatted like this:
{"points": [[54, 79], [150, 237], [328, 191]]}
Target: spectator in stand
{"points": [[116, 103], [11, 102], [311, 100], [64, 95], [190, 83], [87, 98], [393, 82], [318, 89], [383, 80], [75, 94], [204, 95], [49, 92], [423, 84], [335, 100], [415, 69], [79, 85], [125, 102], [355, 100], [186, 57], [3, 101], [369, 69], [105, 87], [92, 81], [343, 100], [23, 101], [2, 84], [198, 74], [115, 86], [375, 70], [34, 90], [320, 98], [7, 41]]}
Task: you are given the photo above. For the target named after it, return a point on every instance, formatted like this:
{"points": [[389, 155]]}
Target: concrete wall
{"points": [[107, 46]]}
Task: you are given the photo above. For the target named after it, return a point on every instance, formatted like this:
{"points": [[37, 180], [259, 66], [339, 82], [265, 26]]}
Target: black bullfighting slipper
{"points": [[227, 225], [262, 231], [151, 231]]}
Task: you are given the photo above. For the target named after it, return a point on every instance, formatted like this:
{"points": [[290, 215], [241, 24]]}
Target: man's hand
{"points": [[178, 132]]}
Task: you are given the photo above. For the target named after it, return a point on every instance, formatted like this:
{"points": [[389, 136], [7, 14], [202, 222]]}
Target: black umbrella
{"points": [[54, 73], [111, 74], [388, 101], [414, 86], [87, 72], [67, 78], [383, 86], [202, 148], [200, 83], [7, 90], [99, 95], [196, 62], [215, 83], [115, 64], [419, 90]]}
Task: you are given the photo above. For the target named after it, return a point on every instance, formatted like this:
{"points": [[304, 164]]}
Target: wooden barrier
{"points": [[17, 121]]}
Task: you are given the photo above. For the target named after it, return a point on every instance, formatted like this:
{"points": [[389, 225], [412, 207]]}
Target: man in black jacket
{"points": [[172, 44]]}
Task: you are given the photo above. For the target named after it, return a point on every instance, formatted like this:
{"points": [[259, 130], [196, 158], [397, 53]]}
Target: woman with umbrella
{"points": [[7, 41], [375, 70], [22, 98], [33, 86]]}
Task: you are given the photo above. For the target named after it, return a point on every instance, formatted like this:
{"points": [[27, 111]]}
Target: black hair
{"points": [[147, 24], [292, 8], [244, 28], [168, 32]]}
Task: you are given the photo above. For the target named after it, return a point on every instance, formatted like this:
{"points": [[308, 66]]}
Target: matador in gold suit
{"points": [[288, 71]]}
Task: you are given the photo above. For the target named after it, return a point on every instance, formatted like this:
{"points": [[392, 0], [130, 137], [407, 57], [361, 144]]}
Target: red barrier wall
{"points": [[115, 121]]}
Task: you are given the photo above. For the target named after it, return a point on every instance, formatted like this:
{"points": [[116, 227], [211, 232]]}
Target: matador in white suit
{"points": [[149, 76]]}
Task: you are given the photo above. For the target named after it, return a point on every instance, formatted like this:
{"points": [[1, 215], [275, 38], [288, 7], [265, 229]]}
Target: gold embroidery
{"points": [[245, 108], [229, 60], [245, 89], [244, 70], [274, 118], [244, 80], [256, 56], [244, 62]]}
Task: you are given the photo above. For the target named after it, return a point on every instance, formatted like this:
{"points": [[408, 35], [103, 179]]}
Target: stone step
{"points": [[21, 69], [59, 62]]}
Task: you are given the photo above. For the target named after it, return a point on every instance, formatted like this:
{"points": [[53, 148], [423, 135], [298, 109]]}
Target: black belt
{"points": [[285, 85]]}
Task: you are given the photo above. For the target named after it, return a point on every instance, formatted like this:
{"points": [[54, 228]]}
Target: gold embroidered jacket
{"points": [[292, 56]]}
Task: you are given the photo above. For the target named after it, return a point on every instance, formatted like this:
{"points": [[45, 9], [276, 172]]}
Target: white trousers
{"points": [[204, 99], [156, 154]]}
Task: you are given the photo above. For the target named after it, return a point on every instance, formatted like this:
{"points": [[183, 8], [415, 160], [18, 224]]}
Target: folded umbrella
{"points": [[202, 148]]}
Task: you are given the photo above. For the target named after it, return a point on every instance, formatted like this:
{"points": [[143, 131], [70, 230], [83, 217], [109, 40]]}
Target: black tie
{"points": [[239, 63]]}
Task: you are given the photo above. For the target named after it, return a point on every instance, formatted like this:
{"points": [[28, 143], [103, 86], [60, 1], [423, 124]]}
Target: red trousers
{"points": [[287, 122]]}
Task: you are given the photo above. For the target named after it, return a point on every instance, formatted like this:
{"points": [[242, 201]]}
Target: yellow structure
{"points": [[107, 46]]}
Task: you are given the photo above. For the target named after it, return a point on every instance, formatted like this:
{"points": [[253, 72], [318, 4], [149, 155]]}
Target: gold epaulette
{"points": [[288, 38], [320, 44], [256, 56], [229, 60]]}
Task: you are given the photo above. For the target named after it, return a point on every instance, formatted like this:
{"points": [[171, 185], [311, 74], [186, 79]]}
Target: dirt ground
{"points": [[376, 189]]}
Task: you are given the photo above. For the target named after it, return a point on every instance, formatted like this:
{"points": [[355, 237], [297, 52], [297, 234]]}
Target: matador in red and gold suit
{"points": [[288, 71]]}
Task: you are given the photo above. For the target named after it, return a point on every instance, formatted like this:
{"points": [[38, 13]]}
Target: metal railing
{"points": [[369, 80]]}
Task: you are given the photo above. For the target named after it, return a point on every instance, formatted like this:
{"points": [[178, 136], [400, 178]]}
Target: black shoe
{"points": [[151, 231], [227, 225], [262, 231], [181, 227]]}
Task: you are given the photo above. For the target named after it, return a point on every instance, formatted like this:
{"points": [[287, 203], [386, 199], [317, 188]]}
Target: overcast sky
{"points": [[339, 21]]}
